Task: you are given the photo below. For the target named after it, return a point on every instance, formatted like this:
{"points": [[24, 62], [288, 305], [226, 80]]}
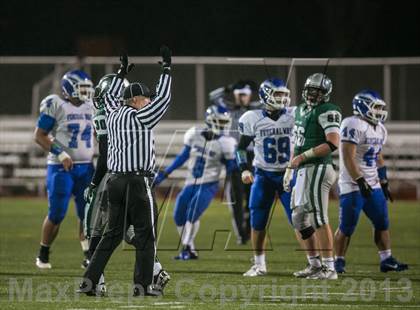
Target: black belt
{"points": [[143, 173]]}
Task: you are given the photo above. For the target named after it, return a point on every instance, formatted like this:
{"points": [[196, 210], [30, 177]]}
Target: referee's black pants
{"points": [[130, 202]]}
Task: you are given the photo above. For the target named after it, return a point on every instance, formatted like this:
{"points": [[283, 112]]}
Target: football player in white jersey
{"points": [[208, 150], [271, 130], [64, 129], [363, 179]]}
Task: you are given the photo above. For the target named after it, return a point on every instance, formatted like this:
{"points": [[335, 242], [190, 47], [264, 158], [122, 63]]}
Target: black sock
{"points": [[44, 252]]}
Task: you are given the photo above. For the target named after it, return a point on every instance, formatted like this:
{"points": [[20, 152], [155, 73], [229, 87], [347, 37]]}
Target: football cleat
{"points": [[42, 264], [308, 271], [256, 271], [324, 274], [161, 279], [391, 264], [101, 287], [151, 290], [84, 288], [340, 265], [187, 254]]}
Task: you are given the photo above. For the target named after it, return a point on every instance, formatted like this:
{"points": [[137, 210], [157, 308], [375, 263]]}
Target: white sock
{"points": [[194, 231], [157, 267], [101, 279], [260, 259], [329, 262], [315, 261], [340, 257], [85, 245], [180, 229], [186, 237], [383, 255]]}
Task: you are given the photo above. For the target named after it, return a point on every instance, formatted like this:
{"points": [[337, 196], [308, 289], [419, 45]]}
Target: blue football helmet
{"points": [[369, 105], [274, 94], [77, 84], [218, 119]]}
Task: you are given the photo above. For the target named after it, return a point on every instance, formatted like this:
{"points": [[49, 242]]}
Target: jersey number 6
{"points": [[272, 146]]}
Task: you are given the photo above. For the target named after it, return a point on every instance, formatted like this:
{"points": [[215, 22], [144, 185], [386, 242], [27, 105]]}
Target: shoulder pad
{"points": [[50, 104]]}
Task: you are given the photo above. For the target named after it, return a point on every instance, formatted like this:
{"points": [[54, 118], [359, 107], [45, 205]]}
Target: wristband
{"points": [[308, 154], [62, 156], [55, 149]]}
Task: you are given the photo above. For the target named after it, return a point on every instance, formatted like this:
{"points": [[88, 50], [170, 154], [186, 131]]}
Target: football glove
{"points": [[385, 189], [288, 176], [364, 187], [166, 55], [247, 177], [89, 192], [125, 67]]}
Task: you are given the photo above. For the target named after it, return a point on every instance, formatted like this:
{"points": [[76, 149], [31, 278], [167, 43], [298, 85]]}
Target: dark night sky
{"points": [[361, 28]]}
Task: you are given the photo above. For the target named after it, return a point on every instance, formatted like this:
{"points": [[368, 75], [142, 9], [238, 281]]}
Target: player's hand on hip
{"points": [[67, 164], [364, 187], [287, 178], [296, 161], [66, 160], [247, 177]]}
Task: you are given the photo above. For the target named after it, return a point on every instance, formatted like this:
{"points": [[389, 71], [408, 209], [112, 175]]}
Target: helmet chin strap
{"points": [[75, 101]]}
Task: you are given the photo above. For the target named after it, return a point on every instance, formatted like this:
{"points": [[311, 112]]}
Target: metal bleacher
{"points": [[22, 162]]}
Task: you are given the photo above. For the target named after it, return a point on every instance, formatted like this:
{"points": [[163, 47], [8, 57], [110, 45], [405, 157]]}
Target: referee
{"points": [[131, 161]]}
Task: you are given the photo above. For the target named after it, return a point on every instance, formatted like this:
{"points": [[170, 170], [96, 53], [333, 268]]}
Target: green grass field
{"points": [[215, 280]]}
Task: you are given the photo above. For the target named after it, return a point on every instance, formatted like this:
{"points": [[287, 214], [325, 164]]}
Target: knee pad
{"points": [[259, 218], [56, 215], [300, 219], [307, 232], [347, 230], [381, 223]]}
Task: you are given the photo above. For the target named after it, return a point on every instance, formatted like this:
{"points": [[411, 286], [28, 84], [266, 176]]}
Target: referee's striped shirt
{"points": [[131, 145]]}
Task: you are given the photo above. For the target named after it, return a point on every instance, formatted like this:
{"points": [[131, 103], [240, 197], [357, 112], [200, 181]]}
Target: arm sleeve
{"points": [[48, 110], [330, 121], [180, 159], [112, 100], [350, 131], [101, 166], [151, 114], [241, 156]]}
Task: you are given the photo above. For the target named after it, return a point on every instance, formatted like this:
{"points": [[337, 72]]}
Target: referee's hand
{"points": [[166, 55], [125, 67]]}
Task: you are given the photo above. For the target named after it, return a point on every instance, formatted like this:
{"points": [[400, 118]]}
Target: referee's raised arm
{"points": [[151, 114], [112, 100]]}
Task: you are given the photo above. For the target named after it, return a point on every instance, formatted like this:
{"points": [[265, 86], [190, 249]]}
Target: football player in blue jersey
{"points": [[208, 149], [270, 129], [64, 129], [363, 179]]}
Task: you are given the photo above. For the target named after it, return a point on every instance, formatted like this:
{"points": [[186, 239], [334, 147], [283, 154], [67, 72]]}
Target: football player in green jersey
{"points": [[316, 130]]}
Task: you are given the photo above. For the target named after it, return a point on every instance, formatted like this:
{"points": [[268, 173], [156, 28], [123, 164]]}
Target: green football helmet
{"points": [[102, 88], [317, 89]]}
